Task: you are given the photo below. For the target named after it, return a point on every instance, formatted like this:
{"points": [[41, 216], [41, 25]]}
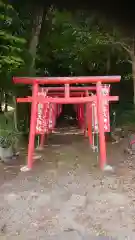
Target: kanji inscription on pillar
{"points": [[42, 110], [105, 92]]}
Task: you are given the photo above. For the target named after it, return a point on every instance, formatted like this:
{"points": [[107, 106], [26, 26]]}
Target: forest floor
{"points": [[66, 195]]}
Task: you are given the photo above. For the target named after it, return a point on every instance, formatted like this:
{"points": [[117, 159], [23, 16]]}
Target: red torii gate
{"points": [[68, 95]]}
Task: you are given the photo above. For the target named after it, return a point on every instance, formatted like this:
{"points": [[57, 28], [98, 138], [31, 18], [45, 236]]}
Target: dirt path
{"points": [[66, 196]]}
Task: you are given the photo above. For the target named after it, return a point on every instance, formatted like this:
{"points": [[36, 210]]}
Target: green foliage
{"points": [[80, 45], [5, 140], [11, 43], [126, 118], [8, 135], [8, 138]]}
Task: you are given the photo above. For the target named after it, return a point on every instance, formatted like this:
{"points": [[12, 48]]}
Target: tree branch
{"points": [[128, 50], [130, 61]]}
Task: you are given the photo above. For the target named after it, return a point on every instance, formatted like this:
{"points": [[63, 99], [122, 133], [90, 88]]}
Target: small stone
{"points": [[108, 168], [42, 199], [3, 229], [11, 197], [25, 169], [34, 194], [77, 200], [34, 224], [36, 157]]}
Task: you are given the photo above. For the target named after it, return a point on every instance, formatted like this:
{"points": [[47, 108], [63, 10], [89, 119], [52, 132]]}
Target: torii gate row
{"points": [[65, 98]]}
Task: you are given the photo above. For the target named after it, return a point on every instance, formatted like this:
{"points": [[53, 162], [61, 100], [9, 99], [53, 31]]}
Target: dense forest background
{"points": [[36, 40]]}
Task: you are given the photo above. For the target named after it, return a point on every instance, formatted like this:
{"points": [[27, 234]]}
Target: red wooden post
{"points": [[102, 143], [82, 113], [89, 118], [78, 112], [42, 140], [42, 136], [78, 115], [82, 116], [89, 121], [47, 121], [85, 123], [32, 125]]}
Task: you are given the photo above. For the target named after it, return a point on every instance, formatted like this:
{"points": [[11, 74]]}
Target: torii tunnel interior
{"points": [[67, 116]]}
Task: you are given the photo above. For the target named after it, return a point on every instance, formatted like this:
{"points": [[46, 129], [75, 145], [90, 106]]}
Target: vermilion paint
{"points": [[68, 95]]}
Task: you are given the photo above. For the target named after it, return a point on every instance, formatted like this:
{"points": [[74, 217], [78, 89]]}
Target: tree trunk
{"points": [[37, 23], [133, 75], [1, 99], [6, 102], [38, 13], [15, 114], [0, 108], [132, 55]]}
